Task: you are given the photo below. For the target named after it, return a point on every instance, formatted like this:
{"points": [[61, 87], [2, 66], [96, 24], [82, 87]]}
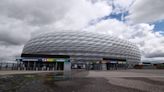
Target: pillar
{"points": [[103, 65], [28, 65], [67, 69], [53, 67], [56, 66], [34, 67]]}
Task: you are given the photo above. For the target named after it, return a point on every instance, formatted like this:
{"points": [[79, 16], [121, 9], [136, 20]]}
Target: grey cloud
{"points": [[37, 12], [11, 39], [153, 60], [13, 31], [9, 51], [155, 54], [146, 11], [21, 17], [150, 42]]}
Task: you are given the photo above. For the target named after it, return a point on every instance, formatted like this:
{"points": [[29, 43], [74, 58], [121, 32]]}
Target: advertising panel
{"points": [[61, 60], [113, 62], [49, 60], [44, 59]]}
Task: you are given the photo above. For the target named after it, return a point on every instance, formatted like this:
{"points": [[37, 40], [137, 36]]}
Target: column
{"points": [[37, 66], [53, 67], [56, 66], [28, 65], [67, 69], [34, 67], [104, 66]]}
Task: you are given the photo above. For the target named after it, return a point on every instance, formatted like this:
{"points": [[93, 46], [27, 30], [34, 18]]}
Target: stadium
{"points": [[56, 50]]}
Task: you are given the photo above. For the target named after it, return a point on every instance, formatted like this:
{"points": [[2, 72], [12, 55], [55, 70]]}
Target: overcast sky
{"points": [[139, 21]]}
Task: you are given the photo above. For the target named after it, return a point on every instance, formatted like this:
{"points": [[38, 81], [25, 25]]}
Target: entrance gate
{"points": [[115, 64], [44, 64]]}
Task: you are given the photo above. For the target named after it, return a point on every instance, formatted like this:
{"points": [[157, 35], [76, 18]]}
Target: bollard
{"points": [[47, 68], [18, 68], [53, 69], [36, 68], [24, 68], [56, 66], [42, 68]]}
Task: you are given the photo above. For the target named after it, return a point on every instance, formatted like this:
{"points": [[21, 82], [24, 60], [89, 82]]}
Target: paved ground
{"points": [[143, 80], [86, 81], [127, 73]]}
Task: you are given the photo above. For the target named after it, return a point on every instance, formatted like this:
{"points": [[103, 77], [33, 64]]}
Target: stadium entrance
{"points": [[44, 62], [107, 64], [115, 64]]}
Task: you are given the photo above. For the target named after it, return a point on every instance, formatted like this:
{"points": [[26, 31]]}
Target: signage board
{"points": [[61, 60], [44, 59], [49, 60], [113, 62], [29, 59], [121, 62]]}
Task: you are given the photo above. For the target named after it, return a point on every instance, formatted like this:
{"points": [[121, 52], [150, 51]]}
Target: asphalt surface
{"points": [[85, 81]]}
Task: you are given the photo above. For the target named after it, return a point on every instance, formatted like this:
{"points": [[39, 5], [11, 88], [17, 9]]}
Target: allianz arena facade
{"points": [[82, 46]]}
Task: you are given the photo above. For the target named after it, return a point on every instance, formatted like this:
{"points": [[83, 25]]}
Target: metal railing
{"points": [[22, 66]]}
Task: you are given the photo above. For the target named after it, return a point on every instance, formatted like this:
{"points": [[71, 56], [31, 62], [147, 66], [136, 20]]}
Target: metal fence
{"points": [[21, 66]]}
